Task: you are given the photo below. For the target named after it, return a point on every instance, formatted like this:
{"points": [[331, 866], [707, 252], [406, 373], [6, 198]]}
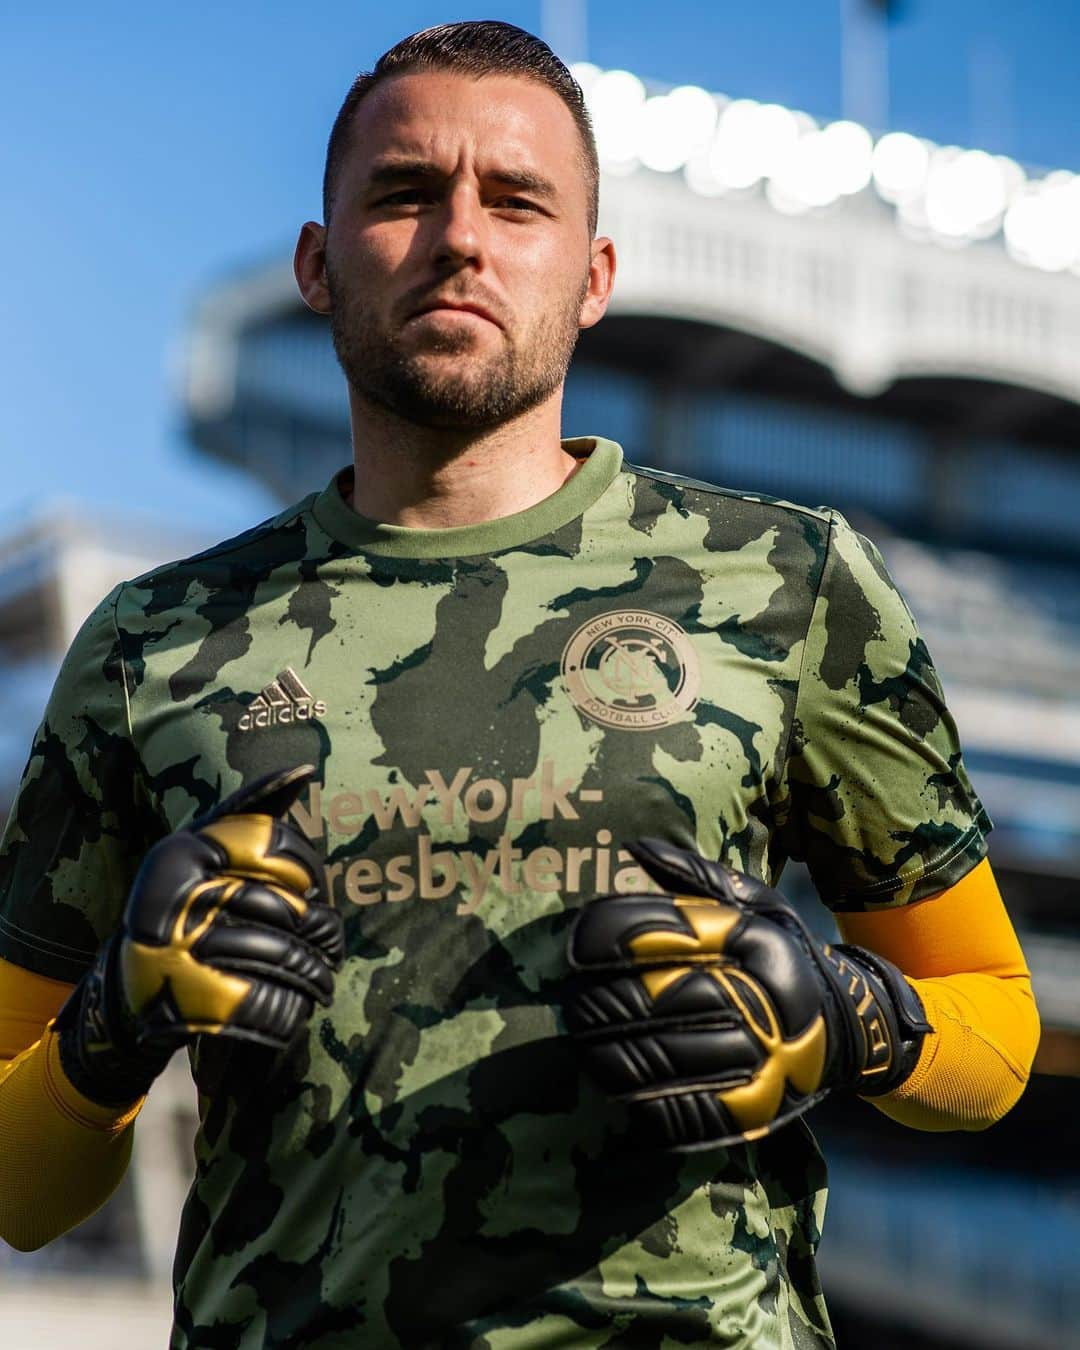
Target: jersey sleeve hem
{"points": [[923, 880], [42, 956]]}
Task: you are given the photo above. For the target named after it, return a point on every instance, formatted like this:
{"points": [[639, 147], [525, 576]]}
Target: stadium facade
{"points": [[891, 328]]}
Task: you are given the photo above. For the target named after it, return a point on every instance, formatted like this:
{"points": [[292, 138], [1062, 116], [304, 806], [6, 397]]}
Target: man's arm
{"points": [[63, 1155], [79, 826], [226, 932], [960, 953], [27, 1003], [877, 802]]}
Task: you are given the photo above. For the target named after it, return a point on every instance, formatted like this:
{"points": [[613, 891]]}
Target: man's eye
{"points": [[518, 204], [405, 197]]}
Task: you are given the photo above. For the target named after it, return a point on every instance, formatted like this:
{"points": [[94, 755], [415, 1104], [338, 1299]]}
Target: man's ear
{"points": [[601, 280], [309, 267]]}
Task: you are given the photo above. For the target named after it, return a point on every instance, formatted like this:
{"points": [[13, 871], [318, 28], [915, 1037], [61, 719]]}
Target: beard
{"points": [[480, 391]]}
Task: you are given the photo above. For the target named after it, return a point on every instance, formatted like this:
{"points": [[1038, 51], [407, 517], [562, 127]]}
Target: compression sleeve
{"points": [[27, 1002], [62, 1155], [961, 954]]}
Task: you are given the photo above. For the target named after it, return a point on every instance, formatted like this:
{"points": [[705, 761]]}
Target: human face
{"points": [[457, 268]]}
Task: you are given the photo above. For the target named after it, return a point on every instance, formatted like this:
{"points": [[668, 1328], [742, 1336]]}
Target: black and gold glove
{"points": [[717, 1016], [227, 931]]}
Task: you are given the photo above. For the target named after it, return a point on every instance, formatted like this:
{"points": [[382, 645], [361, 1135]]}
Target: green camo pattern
{"points": [[493, 710]]}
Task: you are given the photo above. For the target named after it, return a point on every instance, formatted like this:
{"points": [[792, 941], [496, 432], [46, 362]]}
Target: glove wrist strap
{"points": [[885, 1017], [96, 1039]]}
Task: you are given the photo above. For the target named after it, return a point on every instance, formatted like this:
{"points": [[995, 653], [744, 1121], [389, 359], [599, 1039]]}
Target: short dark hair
{"points": [[478, 47]]}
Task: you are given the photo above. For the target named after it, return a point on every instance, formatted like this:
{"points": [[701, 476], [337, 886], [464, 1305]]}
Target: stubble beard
{"points": [[474, 395]]}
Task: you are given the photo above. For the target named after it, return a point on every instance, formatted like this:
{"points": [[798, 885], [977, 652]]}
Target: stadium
{"points": [[811, 311]]}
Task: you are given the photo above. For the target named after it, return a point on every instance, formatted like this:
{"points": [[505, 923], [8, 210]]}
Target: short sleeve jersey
{"points": [[493, 710]]}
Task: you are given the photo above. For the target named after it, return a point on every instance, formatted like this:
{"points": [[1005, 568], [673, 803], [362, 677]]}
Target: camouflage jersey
{"points": [[494, 709]]}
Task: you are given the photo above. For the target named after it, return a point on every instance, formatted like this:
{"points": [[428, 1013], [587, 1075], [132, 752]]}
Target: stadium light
{"points": [[753, 141], [586, 75], [966, 194], [821, 167], [943, 193], [805, 179], [900, 165], [1042, 227], [616, 103], [848, 151], [673, 127], [775, 133], [735, 158]]}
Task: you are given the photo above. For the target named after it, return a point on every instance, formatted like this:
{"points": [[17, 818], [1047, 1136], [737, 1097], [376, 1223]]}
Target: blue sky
{"points": [[150, 149]]}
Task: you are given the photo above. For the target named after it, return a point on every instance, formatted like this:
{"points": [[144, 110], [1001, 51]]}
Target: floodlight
{"points": [[675, 126], [846, 150], [586, 75], [808, 177], [1042, 227], [616, 101], [966, 193], [900, 165]]}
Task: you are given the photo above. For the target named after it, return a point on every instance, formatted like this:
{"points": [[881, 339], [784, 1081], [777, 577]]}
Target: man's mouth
{"points": [[462, 307]]}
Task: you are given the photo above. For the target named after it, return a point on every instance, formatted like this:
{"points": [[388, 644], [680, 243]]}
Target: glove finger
{"points": [[684, 1008], [268, 1015], [323, 928], [267, 954], [654, 998], [265, 849], [639, 930], [319, 925], [683, 1121], [687, 873], [287, 842], [686, 1121], [682, 1058], [271, 1015]]}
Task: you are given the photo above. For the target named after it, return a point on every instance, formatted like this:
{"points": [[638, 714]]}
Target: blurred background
{"points": [[849, 243]]}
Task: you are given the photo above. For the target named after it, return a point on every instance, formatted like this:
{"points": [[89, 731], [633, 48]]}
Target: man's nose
{"points": [[460, 234]]}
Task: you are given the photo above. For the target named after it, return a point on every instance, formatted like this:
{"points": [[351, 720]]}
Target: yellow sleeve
{"points": [[27, 1003], [62, 1155], [959, 951]]}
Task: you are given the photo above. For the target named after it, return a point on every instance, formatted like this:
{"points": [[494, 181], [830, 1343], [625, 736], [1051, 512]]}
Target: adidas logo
{"points": [[285, 699]]}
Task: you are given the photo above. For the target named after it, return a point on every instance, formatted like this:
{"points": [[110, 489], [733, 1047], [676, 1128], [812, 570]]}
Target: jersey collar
{"points": [[601, 458]]}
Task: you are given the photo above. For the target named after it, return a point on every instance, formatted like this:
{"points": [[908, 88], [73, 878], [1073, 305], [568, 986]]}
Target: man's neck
{"points": [[433, 478]]}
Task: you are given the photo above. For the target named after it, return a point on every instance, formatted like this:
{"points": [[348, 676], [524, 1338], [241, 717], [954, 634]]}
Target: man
{"points": [[505, 657]]}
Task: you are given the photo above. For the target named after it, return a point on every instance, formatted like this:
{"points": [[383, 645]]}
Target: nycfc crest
{"points": [[631, 669]]}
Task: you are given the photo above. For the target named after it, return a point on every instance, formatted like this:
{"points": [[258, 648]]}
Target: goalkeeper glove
{"points": [[227, 931], [717, 1016]]}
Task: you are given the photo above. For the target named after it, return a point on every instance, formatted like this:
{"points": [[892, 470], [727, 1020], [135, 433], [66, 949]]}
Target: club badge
{"points": [[631, 669]]}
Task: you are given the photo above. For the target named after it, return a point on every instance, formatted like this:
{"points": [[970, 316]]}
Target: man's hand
{"points": [[227, 931], [717, 1016]]}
